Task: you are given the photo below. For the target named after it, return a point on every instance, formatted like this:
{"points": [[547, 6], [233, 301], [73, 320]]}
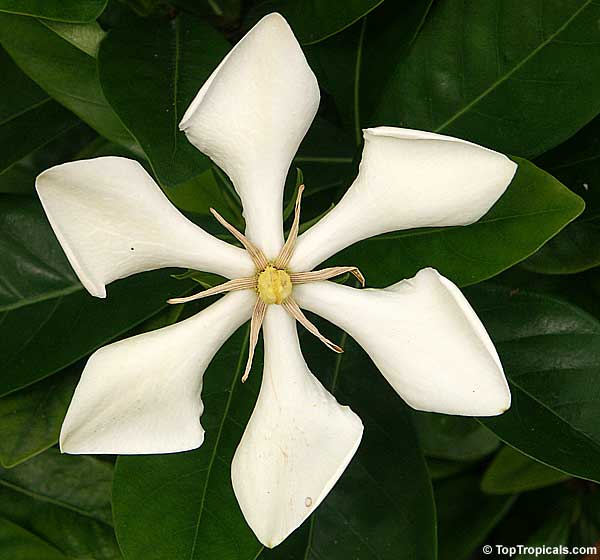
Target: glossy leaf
{"points": [[312, 20], [150, 72], [534, 208], [466, 515], [364, 516], [59, 57], [577, 164], [68, 327], [551, 354], [453, 438], [387, 475], [478, 71], [20, 177], [31, 418], [47, 320], [512, 472], [29, 118], [79, 483], [204, 520], [75, 11], [344, 63], [65, 502], [24, 545], [34, 267]]}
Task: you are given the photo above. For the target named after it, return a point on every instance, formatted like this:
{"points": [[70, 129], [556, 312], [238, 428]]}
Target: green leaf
{"points": [[150, 74], [364, 516], [465, 515], [551, 354], [29, 119], [553, 532], [34, 267], [63, 500], [79, 483], [344, 63], [387, 475], [57, 57], [20, 177], [31, 418], [512, 472], [314, 21], [47, 320], [40, 339], [204, 520], [453, 438], [534, 208], [577, 164], [479, 72], [74, 11], [24, 545]]}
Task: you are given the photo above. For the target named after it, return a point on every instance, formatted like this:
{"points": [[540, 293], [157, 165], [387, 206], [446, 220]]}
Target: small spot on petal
{"points": [[308, 501]]}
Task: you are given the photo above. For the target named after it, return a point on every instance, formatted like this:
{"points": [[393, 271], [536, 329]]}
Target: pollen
{"points": [[274, 285]]}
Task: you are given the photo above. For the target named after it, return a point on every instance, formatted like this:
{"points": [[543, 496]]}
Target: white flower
{"points": [[142, 395]]}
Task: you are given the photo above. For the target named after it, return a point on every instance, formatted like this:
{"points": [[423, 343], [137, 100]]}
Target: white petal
{"points": [[142, 394], [113, 220], [250, 117], [297, 443], [408, 179], [424, 337]]}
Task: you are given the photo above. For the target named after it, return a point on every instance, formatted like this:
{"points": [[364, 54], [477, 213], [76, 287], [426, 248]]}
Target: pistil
{"points": [[273, 283]]}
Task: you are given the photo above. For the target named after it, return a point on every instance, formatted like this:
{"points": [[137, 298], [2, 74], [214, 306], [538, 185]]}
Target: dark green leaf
{"points": [[481, 70], [454, 438], [387, 475], [28, 117], [75, 11], [512, 472], [312, 20], [440, 468], [551, 354], [79, 483], [34, 267], [65, 501], [204, 520], [20, 177], [60, 57], [47, 320], [150, 73], [553, 532], [40, 339], [24, 545], [534, 208], [344, 63], [577, 164], [31, 418], [364, 516], [465, 515]]}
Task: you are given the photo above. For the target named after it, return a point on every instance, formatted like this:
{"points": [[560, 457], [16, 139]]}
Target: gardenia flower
{"points": [[142, 395]]}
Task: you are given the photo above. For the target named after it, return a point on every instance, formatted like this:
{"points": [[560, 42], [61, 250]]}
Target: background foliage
{"points": [[84, 78]]}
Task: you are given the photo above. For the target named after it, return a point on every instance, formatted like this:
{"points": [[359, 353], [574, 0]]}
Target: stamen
{"points": [[292, 308], [258, 315], [325, 274], [285, 255], [230, 286], [255, 253]]}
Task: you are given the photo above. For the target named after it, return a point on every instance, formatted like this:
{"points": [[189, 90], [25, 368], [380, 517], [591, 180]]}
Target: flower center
{"points": [[274, 285]]}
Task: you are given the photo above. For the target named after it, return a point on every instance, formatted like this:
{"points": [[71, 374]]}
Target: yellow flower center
{"points": [[274, 285]]}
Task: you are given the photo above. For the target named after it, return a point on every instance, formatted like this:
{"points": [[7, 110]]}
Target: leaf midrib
{"points": [[53, 501], [515, 68], [234, 380]]}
